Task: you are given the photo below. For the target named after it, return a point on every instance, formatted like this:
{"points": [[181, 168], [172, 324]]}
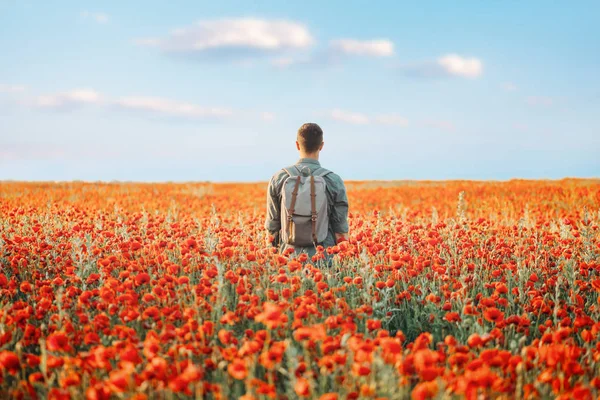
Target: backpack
{"points": [[304, 218]]}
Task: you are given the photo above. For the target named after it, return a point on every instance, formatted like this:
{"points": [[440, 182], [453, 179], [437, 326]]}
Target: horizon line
{"points": [[250, 182]]}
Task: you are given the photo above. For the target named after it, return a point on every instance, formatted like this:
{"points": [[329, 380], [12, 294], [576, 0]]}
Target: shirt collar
{"points": [[309, 161]]}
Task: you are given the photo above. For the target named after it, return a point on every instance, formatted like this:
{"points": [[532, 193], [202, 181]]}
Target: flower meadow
{"points": [[476, 290]]}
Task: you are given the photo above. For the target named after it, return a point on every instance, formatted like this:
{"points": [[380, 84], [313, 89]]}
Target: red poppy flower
{"points": [[492, 314], [142, 278], [237, 369], [452, 317], [58, 341], [9, 362], [302, 387], [329, 396], [272, 316], [425, 390]]}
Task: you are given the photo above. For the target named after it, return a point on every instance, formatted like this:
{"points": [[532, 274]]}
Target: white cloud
{"points": [[267, 116], [30, 151], [150, 105], [68, 99], [338, 51], [445, 66], [362, 119], [283, 61], [349, 117], [391, 119], [540, 101], [373, 48], [241, 37], [99, 17], [509, 87], [454, 64], [83, 96], [4, 88], [167, 107], [443, 125]]}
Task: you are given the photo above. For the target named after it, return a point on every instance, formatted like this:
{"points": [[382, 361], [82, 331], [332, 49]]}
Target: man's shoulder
{"points": [[332, 176], [279, 177], [283, 173], [334, 181]]}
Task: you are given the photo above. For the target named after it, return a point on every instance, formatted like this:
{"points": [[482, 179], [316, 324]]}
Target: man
{"points": [[309, 143]]}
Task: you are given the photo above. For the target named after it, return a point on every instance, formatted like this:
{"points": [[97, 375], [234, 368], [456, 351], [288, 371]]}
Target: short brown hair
{"points": [[310, 137]]}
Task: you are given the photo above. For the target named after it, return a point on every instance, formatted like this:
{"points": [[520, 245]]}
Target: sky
{"points": [[215, 91]]}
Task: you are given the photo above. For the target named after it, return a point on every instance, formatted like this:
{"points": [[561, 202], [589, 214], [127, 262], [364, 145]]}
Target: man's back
{"points": [[337, 201]]}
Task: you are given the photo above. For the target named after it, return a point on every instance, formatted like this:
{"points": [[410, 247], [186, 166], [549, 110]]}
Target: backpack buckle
{"points": [[313, 217]]}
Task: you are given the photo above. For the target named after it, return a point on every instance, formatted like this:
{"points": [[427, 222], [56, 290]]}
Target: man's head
{"points": [[309, 140]]}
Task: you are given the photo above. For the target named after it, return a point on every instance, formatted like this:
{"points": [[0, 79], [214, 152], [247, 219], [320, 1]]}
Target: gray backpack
{"points": [[304, 218]]}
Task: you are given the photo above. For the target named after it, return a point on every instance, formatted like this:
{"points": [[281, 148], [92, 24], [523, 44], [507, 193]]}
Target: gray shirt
{"points": [[337, 201]]}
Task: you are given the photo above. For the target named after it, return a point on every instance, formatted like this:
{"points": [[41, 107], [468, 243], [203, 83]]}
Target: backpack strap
{"points": [[313, 209], [293, 206], [321, 172]]}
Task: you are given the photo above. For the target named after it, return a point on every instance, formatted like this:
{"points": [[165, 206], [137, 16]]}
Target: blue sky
{"points": [[148, 91]]}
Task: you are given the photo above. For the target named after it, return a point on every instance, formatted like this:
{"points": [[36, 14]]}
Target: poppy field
{"points": [[444, 290]]}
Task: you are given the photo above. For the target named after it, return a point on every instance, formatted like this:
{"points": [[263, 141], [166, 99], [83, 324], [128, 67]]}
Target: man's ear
{"points": [[297, 145], [321, 147]]}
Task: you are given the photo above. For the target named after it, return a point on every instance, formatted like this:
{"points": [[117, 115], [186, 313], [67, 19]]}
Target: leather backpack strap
{"points": [[313, 209], [293, 204]]}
